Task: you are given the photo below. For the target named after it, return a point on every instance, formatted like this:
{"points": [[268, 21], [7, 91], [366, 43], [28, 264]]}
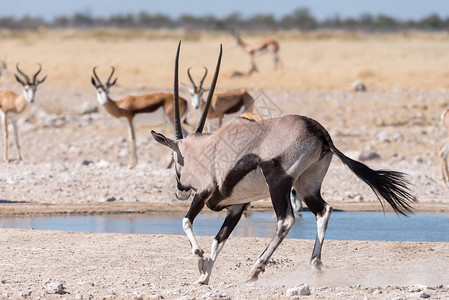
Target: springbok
{"points": [[247, 160], [15, 104], [4, 68], [240, 74], [444, 151], [264, 46], [222, 104], [129, 106]]}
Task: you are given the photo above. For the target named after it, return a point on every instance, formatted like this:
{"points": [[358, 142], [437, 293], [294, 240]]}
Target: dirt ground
{"points": [[75, 162]]}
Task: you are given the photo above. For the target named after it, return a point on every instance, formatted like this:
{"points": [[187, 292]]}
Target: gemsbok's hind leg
{"points": [[444, 151], [232, 218], [308, 187], [279, 186]]}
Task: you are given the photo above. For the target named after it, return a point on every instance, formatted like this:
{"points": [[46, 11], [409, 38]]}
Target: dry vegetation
{"points": [[318, 60]]}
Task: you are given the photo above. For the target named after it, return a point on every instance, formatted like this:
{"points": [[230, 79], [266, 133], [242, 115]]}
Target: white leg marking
{"points": [[187, 226], [321, 223], [215, 250], [283, 229]]}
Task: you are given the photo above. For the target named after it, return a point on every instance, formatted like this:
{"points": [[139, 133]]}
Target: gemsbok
{"points": [[129, 106], [264, 46], [247, 160], [15, 104], [444, 151], [221, 104]]}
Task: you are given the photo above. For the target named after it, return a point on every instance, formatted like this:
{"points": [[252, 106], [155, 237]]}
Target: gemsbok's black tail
{"points": [[388, 185]]}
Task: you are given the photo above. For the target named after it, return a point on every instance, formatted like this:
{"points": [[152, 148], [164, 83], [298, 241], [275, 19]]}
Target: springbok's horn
{"points": [[23, 74], [190, 77], [37, 73], [110, 76], [209, 96], [178, 129], [96, 76], [204, 77]]}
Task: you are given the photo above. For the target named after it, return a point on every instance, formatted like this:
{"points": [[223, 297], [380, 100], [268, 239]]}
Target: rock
{"points": [[418, 288], [137, 296], [383, 137], [215, 295], [25, 294], [302, 290], [358, 86], [103, 164], [111, 199], [78, 296], [86, 162], [56, 288], [87, 108], [368, 154], [424, 295]]}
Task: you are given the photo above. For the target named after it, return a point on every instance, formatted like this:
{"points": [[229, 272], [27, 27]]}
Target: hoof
{"points": [[316, 267], [251, 279], [203, 280], [198, 252]]}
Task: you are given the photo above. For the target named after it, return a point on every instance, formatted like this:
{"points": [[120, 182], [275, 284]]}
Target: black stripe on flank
{"points": [[245, 165]]}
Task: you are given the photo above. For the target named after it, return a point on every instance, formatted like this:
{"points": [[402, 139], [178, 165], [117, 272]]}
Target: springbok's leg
{"points": [[220, 122], [444, 151], [16, 138], [279, 186], [308, 187], [232, 218], [132, 137], [4, 118], [195, 207]]}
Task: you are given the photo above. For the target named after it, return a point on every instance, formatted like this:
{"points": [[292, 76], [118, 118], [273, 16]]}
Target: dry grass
{"points": [[318, 60]]}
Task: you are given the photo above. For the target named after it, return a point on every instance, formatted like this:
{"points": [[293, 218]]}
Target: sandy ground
{"points": [[76, 163], [57, 265]]}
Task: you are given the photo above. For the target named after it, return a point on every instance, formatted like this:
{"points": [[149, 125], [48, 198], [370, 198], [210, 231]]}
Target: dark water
{"points": [[342, 225]]}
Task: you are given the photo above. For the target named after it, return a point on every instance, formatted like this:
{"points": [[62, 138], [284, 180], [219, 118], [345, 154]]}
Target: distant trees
{"points": [[300, 18]]}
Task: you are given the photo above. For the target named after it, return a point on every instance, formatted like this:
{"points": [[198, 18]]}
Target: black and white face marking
{"points": [[30, 92], [182, 193], [102, 95], [197, 97]]}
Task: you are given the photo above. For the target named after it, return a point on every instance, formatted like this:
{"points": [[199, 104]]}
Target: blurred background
{"points": [[374, 73]]}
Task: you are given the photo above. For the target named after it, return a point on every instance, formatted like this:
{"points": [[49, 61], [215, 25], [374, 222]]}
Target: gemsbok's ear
{"points": [[161, 139]]}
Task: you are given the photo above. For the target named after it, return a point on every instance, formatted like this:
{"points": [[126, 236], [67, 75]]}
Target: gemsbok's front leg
{"points": [[232, 218], [195, 208], [280, 187]]}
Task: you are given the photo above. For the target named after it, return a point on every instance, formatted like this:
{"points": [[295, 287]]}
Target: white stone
{"points": [[302, 290]]}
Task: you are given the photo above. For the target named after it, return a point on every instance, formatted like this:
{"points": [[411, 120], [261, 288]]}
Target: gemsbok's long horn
{"points": [[178, 129], [209, 96]]}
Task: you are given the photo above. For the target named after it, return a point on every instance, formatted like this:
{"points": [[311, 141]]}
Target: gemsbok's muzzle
{"points": [[182, 195]]}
